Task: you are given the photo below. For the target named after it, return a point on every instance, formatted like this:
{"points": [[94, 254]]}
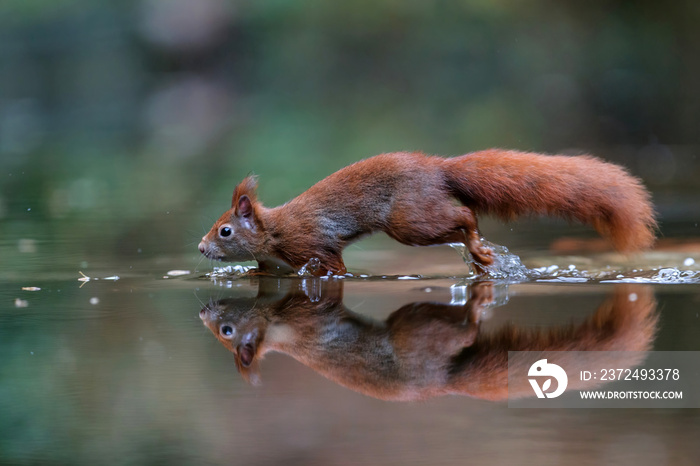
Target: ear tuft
{"points": [[247, 187]]}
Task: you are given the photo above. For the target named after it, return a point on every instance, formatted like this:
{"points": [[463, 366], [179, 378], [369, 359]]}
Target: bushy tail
{"points": [[617, 335], [508, 184]]}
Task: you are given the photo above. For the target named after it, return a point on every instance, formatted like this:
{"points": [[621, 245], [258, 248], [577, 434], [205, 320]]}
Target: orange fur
{"points": [[411, 197], [422, 349], [580, 188]]}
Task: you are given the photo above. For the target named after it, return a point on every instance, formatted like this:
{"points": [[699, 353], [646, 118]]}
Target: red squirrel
{"points": [[423, 349], [416, 199]]}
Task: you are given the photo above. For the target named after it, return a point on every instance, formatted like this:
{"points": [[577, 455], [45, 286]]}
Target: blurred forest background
{"points": [[125, 125], [142, 115]]}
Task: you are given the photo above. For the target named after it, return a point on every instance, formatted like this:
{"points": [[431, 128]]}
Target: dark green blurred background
{"points": [[148, 112], [124, 127]]}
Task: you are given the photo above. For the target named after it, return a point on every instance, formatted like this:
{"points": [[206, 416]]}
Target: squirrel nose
{"points": [[201, 247]]}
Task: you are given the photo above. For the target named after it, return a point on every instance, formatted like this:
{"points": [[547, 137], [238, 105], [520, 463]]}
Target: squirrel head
{"points": [[236, 236], [241, 328]]}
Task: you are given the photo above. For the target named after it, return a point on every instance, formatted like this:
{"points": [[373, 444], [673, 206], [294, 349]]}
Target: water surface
{"points": [[120, 368]]}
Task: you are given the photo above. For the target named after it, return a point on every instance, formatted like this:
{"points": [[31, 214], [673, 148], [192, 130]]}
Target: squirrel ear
{"points": [[250, 374], [245, 206], [248, 348], [246, 187], [247, 354], [248, 368]]}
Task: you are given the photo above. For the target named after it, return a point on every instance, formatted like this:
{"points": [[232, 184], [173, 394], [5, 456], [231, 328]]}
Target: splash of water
{"points": [[666, 275], [505, 265], [229, 271], [310, 268], [508, 268]]}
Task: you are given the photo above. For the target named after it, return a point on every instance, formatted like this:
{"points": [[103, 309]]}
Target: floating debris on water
{"points": [[31, 288], [86, 279], [177, 273], [27, 246], [21, 302]]}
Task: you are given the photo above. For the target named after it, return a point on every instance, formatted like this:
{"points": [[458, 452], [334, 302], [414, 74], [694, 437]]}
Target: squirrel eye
{"points": [[226, 330], [225, 231]]}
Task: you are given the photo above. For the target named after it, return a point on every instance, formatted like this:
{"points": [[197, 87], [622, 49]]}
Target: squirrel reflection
{"points": [[421, 350]]}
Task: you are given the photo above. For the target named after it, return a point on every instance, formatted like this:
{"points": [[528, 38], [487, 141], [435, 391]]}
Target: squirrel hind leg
{"points": [[467, 232], [471, 239], [456, 225]]}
